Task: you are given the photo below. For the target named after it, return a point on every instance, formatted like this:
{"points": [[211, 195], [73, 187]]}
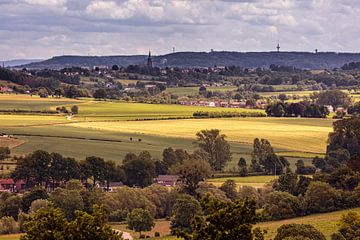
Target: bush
{"points": [[8, 225], [118, 215], [321, 197], [281, 205], [298, 231]]}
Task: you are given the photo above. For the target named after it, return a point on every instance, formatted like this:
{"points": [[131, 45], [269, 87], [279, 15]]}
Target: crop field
{"points": [[102, 128], [33, 103], [115, 110], [291, 134]]}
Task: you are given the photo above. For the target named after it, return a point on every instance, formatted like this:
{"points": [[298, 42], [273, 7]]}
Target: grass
{"points": [[33, 103], [161, 226], [253, 181], [10, 237], [325, 223]]}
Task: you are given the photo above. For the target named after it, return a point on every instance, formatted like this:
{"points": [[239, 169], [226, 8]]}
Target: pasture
{"points": [[325, 223], [253, 181]]}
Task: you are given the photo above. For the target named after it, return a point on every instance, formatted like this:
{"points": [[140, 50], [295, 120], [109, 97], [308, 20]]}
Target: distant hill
{"points": [[304, 60], [17, 62]]}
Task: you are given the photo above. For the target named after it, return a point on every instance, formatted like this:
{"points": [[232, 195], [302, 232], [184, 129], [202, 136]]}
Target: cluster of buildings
{"points": [[224, 104], [20, 186]]}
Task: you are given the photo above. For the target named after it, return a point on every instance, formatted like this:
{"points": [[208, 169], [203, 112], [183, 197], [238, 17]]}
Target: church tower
{"points": [[149, 61]]}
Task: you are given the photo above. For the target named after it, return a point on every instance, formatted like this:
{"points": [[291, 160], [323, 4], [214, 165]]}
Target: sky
{"points": [[44, 28]]}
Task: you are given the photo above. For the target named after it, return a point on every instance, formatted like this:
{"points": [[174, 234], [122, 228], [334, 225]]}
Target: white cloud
{"points": [[42, 28]]}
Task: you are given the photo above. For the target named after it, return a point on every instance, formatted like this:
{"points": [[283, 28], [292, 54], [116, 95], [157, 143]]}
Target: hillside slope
{"points": [[304, 60]]}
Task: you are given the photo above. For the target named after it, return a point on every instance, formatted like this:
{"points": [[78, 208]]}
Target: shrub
{"points": [[298, 231], [280, 205], [118, 215], [8, 225], [321, 197]]}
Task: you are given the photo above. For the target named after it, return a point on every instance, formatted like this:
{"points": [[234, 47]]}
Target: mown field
{"points": [[103, 128], [291, 134]]}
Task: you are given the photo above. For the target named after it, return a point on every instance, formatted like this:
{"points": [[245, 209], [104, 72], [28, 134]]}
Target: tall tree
{"points": [[140, 220], [184, 210], [139, 170], [215, 145], [95, 166], [225, 220], [191, 173]]}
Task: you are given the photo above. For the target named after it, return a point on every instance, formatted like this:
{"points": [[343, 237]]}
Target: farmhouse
{"points": [[5, 90], [167, 180], [9, 185]]}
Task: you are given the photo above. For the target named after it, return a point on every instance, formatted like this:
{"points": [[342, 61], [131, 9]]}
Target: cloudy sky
{"points": [[45, 28]]}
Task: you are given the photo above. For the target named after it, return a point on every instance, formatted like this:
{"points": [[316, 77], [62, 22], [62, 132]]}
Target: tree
{"points": [[171, 156], [265, 159], [304, 170], [298, 231], [4, 153], [345, 136], [29, 197], [225, 220], [321, 197], [161, 197], [183, 211], [68, 201], [349, 226], [75, 109], [59, 92], [112, 173], [191, 172], [140, 220], [95, 167], [50, 224], [34, 168], [115, 68], [243, 170], [100, 94], [229, 187], [334, 98], [11, 207], [286, 183], [282, 97], [139, 170], [281, 205], [128, 199], [215, 145]]}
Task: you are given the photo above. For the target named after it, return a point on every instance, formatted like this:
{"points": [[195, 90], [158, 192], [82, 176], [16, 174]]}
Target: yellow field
{"points": [[300, 135]]}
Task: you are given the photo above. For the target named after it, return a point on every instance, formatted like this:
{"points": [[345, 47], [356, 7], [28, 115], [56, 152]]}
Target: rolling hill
{"points": [[304, 60]]}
